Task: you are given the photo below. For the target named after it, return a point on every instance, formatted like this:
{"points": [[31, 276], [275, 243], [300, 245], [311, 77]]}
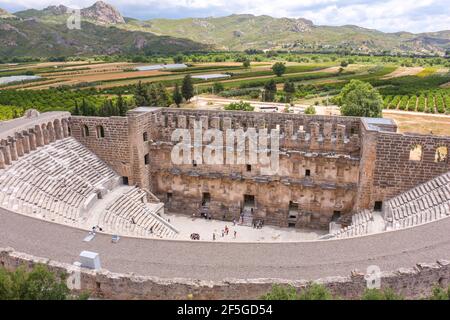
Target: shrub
{"points": [[310, 110], [315, 292], [279, 292], [242, 106], [439, 293], [38, 284], [378, 294]]}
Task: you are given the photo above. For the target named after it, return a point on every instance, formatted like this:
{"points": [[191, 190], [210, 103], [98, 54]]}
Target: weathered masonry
{"points": [[330, 166]]}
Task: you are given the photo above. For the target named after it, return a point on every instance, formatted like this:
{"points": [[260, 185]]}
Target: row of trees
{"points": [[158, 95], [109, 108]]}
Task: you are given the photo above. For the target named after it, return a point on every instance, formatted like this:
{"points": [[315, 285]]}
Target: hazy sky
{"points": [[384, 15]]}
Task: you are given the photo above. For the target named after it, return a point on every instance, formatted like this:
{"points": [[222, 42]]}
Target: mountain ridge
{"points": [[238, 32]]}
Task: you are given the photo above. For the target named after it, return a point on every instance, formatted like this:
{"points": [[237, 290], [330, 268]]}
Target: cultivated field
{"points": [[411, 88]]}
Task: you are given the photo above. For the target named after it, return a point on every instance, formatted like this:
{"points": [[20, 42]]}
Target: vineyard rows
{"points": [[432, 102]]}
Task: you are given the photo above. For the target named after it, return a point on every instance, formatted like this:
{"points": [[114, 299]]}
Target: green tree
{"points": [[76, 109], [122, 105], [84, 109], [178, 58], [242, 106], [360, 99], [187, 88], [140, 95], [163, 97], [310, 110], [176, 96], [344, 63], [270, 90], [279, 68], [218, 87], [38, 284], [289, 89], [246, 63]]}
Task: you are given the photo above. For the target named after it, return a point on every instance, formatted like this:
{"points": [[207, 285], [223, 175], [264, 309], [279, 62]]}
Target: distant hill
{"points": [[240, 32], [105, 30]]}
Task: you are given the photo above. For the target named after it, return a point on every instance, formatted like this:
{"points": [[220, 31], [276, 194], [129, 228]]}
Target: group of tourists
{"points": [[225, 232]]}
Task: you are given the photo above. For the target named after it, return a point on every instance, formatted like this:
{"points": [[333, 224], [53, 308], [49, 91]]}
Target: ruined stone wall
{"points": [[415, 282], [330, 187], [395, 173], [327, 147], [352, 162], [113, 148], [270, 120]]}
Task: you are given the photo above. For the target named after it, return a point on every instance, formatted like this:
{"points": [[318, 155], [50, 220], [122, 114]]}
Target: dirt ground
{"points": [[403, 71], [423, 123]]}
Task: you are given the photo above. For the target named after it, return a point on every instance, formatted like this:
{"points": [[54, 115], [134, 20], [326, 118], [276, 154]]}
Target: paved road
{"points": [[216, 261]]}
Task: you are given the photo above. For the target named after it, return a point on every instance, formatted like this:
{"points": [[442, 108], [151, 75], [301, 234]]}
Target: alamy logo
{"points": [[240, 147], [74, 19]]}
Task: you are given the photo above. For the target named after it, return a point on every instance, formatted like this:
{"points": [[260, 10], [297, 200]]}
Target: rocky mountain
{"points": [[33, 37], [233, 32], [100, 13]]}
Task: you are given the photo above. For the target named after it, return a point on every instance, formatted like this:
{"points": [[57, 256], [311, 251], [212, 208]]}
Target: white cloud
{"points": [[390, 15]]}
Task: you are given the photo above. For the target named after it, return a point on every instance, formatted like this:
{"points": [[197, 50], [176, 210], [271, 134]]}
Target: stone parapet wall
{"points": [[413, 283], [297, 131]]}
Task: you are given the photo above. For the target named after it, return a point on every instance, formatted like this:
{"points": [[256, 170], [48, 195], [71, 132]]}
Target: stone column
{"points": [[226, 123], [19, 145], [45, 135], [181, 122], [13, 149], [215, 123], [261, 123], [288, 129], [327, 129], [340, 135], [315, 133], [51, 133], [2, 160], [170, 121], [65, 128], [39, 136], [6, 154], [32, 139], [191, 122], [58, 131], [26, 142], [204, 121]]}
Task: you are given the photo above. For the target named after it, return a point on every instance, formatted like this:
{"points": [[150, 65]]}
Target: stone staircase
{"points": [[247, 217]]}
